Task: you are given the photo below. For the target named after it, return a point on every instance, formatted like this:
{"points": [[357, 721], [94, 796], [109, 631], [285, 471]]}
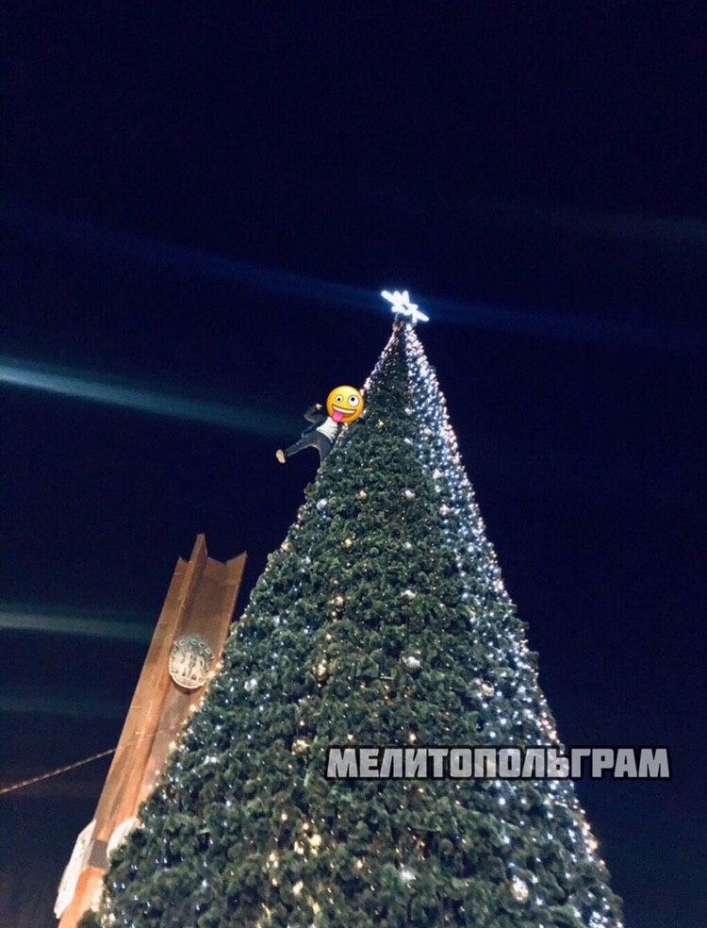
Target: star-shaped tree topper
{"points": [[401, 306]]}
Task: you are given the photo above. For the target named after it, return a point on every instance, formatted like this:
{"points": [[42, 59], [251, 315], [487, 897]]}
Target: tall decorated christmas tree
{"points": [[381, 620]]}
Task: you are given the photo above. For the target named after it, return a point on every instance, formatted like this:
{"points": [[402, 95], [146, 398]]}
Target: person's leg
{"points": [[323, 444], [312, 440], [304, 442]]}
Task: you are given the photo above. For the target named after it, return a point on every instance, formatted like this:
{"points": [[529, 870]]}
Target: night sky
{"points": [[199, 210]]}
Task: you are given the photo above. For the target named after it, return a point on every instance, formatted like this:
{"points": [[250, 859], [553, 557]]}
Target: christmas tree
{"points": [[381, 620]]}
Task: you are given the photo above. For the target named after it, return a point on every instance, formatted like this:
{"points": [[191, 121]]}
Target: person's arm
{"points": [[314, 413]]}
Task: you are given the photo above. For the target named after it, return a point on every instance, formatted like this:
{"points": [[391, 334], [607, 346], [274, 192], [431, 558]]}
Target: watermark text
{"points": [[497, 763]]}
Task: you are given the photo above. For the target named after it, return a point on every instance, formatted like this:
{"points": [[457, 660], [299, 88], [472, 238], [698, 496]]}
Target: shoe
{"points": [[280, 455]]}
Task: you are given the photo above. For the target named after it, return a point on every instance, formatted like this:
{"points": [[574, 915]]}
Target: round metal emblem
{"points": [[190, 661]]}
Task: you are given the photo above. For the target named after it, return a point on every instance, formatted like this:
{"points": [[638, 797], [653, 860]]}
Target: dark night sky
{"points": [[180, 193]]}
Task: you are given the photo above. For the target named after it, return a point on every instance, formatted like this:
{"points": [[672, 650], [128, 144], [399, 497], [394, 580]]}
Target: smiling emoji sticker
{"points": [[345, 404]]}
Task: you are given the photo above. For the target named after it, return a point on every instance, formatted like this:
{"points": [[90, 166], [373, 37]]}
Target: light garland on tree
{"points": [[506, 697], [464, 531]]}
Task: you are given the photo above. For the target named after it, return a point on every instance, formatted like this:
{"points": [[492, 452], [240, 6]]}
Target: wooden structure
{"points": [[186, 646]]}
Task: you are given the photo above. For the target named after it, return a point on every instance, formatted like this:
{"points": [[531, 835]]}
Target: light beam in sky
{"points": [[17, 619], [195, 264], [84, 386], [33, 702]]}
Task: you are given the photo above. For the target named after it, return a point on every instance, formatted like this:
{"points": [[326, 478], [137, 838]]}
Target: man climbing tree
{"points": [[344, 405]]}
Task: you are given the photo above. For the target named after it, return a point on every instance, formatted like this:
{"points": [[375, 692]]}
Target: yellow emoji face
{"points": [[344, 404]]}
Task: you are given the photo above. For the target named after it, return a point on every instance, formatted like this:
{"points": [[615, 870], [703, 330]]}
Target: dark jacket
{"points": [[316, 417]]}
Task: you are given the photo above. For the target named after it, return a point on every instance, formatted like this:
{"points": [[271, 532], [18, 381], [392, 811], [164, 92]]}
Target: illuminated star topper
{"points": [[401, 306]]}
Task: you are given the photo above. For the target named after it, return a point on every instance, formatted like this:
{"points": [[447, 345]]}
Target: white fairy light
{"points": [[520, 889], [412, 662]]}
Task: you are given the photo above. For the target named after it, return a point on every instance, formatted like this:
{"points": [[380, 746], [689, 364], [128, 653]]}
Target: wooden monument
{"points": [[185, 648]]}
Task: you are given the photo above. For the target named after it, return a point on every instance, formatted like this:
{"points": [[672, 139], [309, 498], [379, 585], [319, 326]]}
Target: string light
{"points": [[536, 821], [503, 636]]}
